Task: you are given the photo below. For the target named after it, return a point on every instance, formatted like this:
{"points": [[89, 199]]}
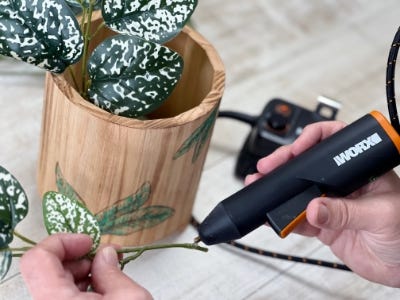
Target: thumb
{"points": [[340, 214], [108, 279]]}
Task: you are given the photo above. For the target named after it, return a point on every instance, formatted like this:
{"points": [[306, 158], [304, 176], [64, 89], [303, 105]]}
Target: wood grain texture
{"points": [[106, 158]]}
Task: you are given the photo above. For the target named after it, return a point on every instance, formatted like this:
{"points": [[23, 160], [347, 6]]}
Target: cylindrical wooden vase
{"points": [[138, 177]]}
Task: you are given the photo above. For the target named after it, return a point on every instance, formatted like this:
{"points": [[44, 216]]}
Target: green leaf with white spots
{"points": [[65, 188], [124, 206], [44, 33], [154, 20], [5, 262], [131, 77], [141, 219], [13, 206], [6, 230], [62, 214], [198, 138]]}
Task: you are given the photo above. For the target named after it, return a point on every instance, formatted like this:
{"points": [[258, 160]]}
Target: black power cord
{"points": [[251, 120], [282, 256], [390, 75]]}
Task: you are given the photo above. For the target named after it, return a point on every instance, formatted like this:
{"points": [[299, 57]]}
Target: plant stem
{"points": [[20, 249], [98, 29], [193, 246], [125, 261], [86, 38], [17, 255], [140, 250], [24, 238]]}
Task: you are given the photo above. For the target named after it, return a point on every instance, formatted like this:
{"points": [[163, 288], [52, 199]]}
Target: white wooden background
{"points": [[294, 49]]}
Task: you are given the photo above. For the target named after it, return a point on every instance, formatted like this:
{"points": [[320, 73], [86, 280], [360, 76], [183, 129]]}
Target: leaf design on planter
{"points": [[44, 33], [141, 219], [5, 262], [127, 215], [65, 188], [62, 214], [124, 206], [154, 20], [13, 206], [198, 138], [131, 77]]}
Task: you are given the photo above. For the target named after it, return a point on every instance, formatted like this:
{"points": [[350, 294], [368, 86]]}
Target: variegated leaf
{"points": [[131, 77], [141, 219], [62, 214], [65, 188], [125, 206], [198, 138], [44, 33], [153, 20], [5, 262], [13, 206], [6, 229]]}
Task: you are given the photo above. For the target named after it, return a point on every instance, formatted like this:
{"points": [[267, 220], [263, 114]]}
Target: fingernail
{"points": [[110, 256], [323, 214]]}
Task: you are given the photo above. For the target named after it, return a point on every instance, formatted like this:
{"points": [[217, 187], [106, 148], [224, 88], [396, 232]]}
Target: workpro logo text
{"points": [[357, 149]]}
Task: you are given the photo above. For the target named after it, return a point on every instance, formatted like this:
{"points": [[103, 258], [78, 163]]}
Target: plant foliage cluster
{"points": [[130, 73]]}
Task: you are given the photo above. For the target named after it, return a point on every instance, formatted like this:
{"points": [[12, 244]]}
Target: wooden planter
{"points": [[139, 177]]}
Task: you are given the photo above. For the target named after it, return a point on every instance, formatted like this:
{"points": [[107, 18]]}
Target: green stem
{"points": [[126, 260], [20, 249], [24, 238], [140, 250], [17, 255], [193, 246], [86, 38], [98, 29]]}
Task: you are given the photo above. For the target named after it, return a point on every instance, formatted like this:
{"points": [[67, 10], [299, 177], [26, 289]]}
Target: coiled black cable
{"points": [[390, 76]]}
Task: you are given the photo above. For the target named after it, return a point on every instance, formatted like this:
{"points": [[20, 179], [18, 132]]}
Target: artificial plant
{"points": [[129, 74], [61, 214]]}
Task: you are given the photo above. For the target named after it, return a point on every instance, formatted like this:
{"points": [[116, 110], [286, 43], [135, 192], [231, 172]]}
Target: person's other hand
{"points": [[363, 229], [55, 269]]}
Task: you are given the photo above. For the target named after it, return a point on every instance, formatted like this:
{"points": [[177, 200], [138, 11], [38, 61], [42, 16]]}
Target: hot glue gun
{"points": [[337, 166]]}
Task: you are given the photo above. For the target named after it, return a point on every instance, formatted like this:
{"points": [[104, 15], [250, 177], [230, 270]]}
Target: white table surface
{"points": [[291, 49]]}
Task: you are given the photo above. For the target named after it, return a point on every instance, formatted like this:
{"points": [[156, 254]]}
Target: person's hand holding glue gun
{"points": [[363, 229]]}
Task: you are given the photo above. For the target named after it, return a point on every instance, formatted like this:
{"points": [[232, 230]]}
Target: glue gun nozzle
{"points": [[197, 240]]}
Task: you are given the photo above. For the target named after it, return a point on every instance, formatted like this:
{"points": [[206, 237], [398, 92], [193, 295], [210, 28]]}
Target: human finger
{"points": [[275, 159], [79, 269], [314, 133], [66, 246], [251, 178], [353, 214], [42, 266], [110, 281]]}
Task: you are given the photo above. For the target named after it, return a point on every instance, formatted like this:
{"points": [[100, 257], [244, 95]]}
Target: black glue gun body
{"points": [[337, 166]]}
